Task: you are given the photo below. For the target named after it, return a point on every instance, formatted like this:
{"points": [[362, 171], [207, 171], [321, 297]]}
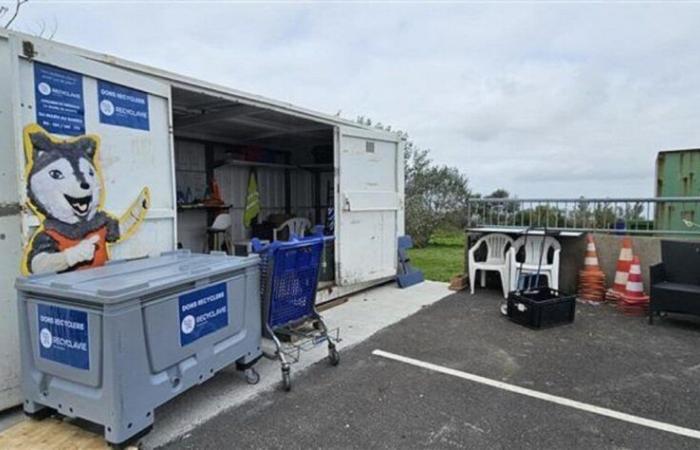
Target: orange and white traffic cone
{"points": [[624, 262], [591, 280], [634, 301]]}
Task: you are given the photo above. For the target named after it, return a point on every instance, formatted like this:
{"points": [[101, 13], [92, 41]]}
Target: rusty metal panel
{"points": [[678, 175]]}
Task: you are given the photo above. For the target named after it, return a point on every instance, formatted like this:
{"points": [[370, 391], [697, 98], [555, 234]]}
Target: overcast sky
{"points": [[551, 100]]}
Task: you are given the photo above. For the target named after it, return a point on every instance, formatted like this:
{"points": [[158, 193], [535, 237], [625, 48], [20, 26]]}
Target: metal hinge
{"points": [[28, 49]]}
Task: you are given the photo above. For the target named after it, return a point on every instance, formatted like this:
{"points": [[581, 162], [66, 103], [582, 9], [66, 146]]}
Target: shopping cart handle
{"points": [[256, 245]]}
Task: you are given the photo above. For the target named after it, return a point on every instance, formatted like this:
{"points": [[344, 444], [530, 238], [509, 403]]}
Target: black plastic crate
{"points": [[539, 308]]}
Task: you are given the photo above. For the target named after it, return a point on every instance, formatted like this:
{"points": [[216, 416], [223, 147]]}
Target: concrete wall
{"points": [[648, 249]]}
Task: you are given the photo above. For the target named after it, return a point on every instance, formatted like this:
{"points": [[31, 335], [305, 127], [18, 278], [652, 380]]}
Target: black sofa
{"points": [[675, 282]]}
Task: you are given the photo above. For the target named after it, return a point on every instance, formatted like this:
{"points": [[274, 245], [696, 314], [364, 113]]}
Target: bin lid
{"points": [[123, 280]]}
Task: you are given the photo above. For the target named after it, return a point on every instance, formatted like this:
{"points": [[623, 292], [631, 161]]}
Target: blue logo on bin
{"points": [[63, 336], [202, 312]]}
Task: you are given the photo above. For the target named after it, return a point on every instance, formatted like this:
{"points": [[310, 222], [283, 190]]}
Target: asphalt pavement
{"points": [[604, 358]]}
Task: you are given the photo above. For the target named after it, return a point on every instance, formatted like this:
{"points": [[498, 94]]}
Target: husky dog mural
{"points": [[65, 188]]}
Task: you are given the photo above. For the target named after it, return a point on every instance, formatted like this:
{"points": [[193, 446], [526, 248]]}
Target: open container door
{"points": [[70, 96], [369, 204]]}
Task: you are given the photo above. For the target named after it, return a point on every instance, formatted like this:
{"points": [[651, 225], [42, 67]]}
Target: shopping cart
{"points": [[289, 273]]}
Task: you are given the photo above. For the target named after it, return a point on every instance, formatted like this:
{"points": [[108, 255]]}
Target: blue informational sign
{"points": [[202, 312], [58, 95], [63, 336], [122, 106]]}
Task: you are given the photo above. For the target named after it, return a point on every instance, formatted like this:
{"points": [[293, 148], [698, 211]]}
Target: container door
{"points": [[10, 245], [369, 204], [128, 114]]}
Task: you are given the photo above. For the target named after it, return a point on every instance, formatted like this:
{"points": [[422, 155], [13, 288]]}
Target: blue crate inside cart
{"points": [[289, 272]]}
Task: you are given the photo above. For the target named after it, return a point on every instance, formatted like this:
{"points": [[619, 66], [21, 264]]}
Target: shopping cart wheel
{"points": [[333, 355], [286, 378], [251, 376]]}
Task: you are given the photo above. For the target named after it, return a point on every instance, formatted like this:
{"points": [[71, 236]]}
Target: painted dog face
{"points": [[63, 183]]}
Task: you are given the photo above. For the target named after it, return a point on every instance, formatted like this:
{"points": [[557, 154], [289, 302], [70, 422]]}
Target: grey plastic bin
{"points": [[111, 344]]}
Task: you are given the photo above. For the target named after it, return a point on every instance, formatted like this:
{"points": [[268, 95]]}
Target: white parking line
{"points": [[663, 426]]}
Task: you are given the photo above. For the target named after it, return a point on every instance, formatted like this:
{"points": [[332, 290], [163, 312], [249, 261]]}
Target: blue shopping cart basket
{"points": [[289, 272], [289, 278]]}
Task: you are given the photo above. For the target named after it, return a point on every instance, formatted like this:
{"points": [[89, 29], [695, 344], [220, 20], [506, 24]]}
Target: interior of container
{"points": [[222, 142]]}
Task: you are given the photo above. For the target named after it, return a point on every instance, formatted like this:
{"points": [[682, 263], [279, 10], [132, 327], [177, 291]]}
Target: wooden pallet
{"points": [[49, 434]]}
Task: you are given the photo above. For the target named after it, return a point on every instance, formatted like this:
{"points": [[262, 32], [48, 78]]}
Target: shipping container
{"points": [[678, 175], [132, 148]]}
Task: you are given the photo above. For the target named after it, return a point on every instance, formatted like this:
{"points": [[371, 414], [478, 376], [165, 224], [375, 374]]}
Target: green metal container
{"points": [[677, 175]]}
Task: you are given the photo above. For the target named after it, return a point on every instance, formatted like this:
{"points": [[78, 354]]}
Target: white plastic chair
{"points": [[220, 229], [533, 246], [296, 225], [496, 260]]}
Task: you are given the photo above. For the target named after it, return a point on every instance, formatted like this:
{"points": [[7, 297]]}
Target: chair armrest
{"points": [[657, 273], [474, 248], [510, 256]]}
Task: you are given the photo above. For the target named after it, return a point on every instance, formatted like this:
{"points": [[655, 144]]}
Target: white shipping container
{"points": [[189, 133]]}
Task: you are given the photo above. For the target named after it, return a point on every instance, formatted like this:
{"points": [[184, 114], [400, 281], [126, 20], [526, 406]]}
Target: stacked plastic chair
{"points": [[591, 280]]}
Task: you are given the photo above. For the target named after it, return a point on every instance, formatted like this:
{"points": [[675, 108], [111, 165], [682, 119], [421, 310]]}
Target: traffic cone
{"points": [[623, 267], [591, 280], [634, 301]]}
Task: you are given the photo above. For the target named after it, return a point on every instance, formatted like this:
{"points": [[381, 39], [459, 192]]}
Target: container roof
{"points": [[680, 150], [201, 116], [183, 82]]}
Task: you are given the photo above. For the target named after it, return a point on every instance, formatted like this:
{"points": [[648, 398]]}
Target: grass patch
{"points": [[443, 258]]}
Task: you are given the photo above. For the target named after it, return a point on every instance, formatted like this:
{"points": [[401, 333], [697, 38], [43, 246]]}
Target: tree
{"points": [[604, 216], [436, 196], [499, 193], [501, 213], [41, 28], [540, 216], [4, 10]]}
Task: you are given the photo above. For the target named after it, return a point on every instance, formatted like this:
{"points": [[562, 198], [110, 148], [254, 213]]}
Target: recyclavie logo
{"points": [[44, 88], [188, 324], [107, 107], [64, 335], [202, 312], [45, 338], [123, 106]]}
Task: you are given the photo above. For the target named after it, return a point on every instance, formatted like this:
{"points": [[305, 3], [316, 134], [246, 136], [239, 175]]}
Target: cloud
{"points": [[543, 100]]}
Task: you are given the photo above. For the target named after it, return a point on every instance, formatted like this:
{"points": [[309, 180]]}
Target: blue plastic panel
{"points": [[202, 312], [293, 269], [63, 336]]}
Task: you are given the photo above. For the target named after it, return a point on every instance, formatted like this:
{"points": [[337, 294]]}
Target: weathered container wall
{"points": [[677, 175], [10, 237], [573, 250]]}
